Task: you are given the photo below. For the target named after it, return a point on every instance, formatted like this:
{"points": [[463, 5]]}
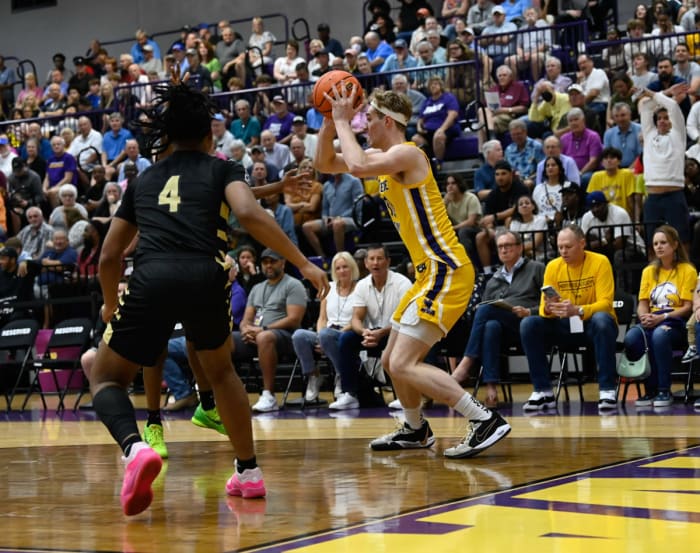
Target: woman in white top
{"points": [[334, 317], [284, 69], [534, 226], [547, 194]]}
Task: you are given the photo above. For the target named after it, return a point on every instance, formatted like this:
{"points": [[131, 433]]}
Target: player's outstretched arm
{"points": [[266, 230], [291, 183]]}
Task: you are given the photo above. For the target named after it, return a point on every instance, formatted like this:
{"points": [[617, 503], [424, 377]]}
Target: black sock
{"points": [[207, 400], [113, 406], [245, 465], [153, 417]]}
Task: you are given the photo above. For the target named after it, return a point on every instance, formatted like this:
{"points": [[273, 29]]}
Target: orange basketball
{"points": [[330, 80]]}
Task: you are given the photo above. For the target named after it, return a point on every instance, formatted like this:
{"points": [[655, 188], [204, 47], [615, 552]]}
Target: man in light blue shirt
{"points": [[500, 47], [624, 135], [339, 195], [377, 50], [400, 59]]}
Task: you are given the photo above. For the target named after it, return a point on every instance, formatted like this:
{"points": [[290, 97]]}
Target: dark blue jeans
{"points": [[489, 326], [539, 334], [661, 340], [349, 348]]}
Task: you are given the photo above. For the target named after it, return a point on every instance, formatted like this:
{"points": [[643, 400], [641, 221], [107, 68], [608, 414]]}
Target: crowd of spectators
{"points": [[600, 146]]}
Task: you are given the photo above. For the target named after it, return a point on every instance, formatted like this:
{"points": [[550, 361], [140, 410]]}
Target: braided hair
{"points": [[180, 113]]}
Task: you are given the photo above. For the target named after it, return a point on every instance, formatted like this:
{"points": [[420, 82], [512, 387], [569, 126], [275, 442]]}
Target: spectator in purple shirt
{"points": [[437, 124], [582, 144], [61, 168], [280, 122]]}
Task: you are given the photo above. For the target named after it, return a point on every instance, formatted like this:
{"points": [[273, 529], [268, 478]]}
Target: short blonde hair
{"points": [[350, 260]]}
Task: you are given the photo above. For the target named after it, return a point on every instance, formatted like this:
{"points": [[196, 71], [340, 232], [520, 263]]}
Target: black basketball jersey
{"points": [[179, 205]]}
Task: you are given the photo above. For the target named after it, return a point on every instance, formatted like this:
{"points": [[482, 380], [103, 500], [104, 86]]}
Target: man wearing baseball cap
{"points": [[503, 46], [619, 241], [274, 310], [299, 129], [280, 122], [400, 59]]}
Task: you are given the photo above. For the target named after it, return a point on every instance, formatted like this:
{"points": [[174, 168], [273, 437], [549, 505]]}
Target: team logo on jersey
{"points": [[383, 185], [427, 307]]}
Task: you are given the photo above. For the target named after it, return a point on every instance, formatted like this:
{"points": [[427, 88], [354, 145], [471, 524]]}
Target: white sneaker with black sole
{"points": [[607, 401], [539, 401], [481, 435], [690, 355], [405, 437]]}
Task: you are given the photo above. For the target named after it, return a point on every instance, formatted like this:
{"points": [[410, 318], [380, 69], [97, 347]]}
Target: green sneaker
{"points": [[208, 419], [153, 434]]}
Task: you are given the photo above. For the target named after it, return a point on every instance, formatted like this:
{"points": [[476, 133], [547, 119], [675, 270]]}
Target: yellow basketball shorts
{"points": [[439, 295]]}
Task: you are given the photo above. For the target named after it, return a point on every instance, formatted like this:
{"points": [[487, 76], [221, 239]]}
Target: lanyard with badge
{"points": [[260, 311]]}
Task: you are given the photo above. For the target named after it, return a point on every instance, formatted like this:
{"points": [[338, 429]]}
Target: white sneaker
{"points": [[396, 404], [539, 401], [345, 401], [313, 387], [266, 403], [607, 400], [338, 389]]}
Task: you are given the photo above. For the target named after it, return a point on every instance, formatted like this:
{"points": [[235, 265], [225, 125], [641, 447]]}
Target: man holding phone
{"points": [[576, 309]]}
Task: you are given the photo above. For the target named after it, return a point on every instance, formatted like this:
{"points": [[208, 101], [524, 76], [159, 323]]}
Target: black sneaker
{"points": [[481, 435], [405, 437]]}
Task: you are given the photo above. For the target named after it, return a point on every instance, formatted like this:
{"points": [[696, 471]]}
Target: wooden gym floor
{"points": [[563, 482]]}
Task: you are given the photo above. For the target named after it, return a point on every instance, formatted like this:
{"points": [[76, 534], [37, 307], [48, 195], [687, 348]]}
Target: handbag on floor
{"points": [[636, 370]]}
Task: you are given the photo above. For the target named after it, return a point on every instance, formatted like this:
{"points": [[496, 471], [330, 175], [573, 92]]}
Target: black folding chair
{"points": [[69, 340], [16, 349]]}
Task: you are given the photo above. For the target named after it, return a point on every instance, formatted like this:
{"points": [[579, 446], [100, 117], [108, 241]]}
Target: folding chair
{"points": [[68, 342], [301, 403], [505, 381], [566, 376], [16, 349]]}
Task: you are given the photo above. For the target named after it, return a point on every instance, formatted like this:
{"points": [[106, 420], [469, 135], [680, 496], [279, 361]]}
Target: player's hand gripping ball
{"points": [[335, 79]]}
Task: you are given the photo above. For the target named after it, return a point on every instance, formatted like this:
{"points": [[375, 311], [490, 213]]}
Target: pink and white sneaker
{"points": [[142, 467], [247, 484]]}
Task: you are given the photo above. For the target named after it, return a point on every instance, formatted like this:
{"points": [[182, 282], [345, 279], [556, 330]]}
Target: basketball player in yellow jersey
{"points": [[444, 274]]}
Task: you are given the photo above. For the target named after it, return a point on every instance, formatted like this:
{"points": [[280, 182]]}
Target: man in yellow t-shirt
{"points": [[619, 185], [577, 310]]}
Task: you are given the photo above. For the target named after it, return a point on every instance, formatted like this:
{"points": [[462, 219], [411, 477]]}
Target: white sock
{"points": [[133, 450], [414, 417], [471, 409]]}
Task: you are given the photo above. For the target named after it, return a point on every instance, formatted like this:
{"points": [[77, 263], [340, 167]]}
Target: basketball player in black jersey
{"points": [[179, 207]]}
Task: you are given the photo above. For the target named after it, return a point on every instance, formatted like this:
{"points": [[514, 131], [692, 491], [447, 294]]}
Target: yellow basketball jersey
{"points": [[419, 214]]}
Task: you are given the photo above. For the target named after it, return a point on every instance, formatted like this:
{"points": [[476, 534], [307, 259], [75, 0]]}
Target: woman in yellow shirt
{"points": [[665, 300]]}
